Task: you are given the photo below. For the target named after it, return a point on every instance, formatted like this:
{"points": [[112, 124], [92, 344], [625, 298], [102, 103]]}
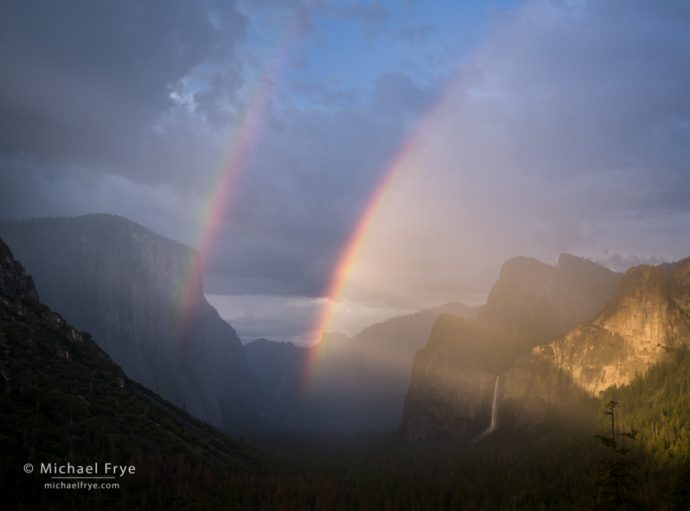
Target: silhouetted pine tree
{"points": [[616, 476]]}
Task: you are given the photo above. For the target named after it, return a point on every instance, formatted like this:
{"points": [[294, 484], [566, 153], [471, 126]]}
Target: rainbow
{"points": [[404, 159], [243, 140], [212, 214]]}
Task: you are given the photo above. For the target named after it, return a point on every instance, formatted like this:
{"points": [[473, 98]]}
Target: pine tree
{"points": [[616, 476]]}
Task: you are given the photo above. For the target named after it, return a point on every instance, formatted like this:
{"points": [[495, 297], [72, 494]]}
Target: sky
{"points": [[365, 159]]}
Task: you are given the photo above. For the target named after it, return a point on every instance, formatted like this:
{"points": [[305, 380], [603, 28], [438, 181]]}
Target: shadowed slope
{"points": [[121, 282], [63, 400]]}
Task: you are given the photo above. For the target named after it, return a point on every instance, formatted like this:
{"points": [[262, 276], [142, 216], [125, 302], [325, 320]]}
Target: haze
{"points": [[506, 128]]}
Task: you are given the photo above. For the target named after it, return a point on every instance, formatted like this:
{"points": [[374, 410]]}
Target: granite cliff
{"points": [[454, 375], [646, 321], [123, 284], [63, 400]]}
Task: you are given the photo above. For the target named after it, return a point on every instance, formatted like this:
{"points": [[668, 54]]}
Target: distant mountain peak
{"points": [[531, 303]]}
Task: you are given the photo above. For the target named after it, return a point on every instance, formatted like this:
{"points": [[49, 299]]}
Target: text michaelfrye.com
{"points": [[92, 476]]}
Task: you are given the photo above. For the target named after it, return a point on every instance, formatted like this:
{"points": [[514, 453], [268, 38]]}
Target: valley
{"points": [[493, 407]]}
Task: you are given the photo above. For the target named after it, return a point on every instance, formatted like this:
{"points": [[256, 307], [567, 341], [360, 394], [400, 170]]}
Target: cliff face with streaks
{"points": [[123, 284], [64, 400], [648, 318], [644, 319], [532, 303], [452, 381]]}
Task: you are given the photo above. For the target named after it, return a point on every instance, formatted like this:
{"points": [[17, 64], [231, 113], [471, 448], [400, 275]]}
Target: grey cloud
{"points": [[291, 219], [89, 82], [568, 131], [216, 101], [397, 93], [278, 318], [30, 188], [622, 263], [610, 68], [565, 132], [593, 99]]}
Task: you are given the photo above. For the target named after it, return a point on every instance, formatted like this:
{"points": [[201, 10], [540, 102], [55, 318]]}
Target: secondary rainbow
{"points": [[243, 140]]}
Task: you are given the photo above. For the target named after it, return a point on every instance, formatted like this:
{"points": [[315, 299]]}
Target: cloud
{"points": [[622, 263], [306, 186], [277, 318], [32, 189], [88, 84], [567, 130]]}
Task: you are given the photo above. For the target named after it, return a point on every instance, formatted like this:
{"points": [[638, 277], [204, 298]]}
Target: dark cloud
{"points": [[215, 102], [569, 130], [88, 82], [307, 185]]}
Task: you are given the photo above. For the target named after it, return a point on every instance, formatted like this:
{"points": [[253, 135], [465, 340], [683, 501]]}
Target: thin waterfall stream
{"points": [[494, 413]]}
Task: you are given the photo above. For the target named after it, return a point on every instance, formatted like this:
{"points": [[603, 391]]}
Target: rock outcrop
{"points": [[452, 382], [532, 303], [125, 285], [648, 318]]}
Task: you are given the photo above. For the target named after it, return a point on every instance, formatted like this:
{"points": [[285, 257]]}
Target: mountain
{"points": [[533, 302], [63, 400], [455, 377], [277, 366], [359, 383], [126, 286], [645, 323]]}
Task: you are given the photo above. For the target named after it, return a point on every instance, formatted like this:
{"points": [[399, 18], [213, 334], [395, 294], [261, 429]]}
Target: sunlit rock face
{"points": [[125, 284], [532, 303], [648, 317]]}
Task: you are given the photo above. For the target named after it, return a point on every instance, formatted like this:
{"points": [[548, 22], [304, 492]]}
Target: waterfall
{"points": [[494, 413], [494, 407]]}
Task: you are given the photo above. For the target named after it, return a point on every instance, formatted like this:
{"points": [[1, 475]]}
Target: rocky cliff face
{"points": [[533, 302], [64, 400], [123, 284], [453, 376], [648, 317], [452, 382]]}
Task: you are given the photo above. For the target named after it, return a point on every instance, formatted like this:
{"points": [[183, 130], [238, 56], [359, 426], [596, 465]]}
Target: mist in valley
{"points": [[346, 255]]}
